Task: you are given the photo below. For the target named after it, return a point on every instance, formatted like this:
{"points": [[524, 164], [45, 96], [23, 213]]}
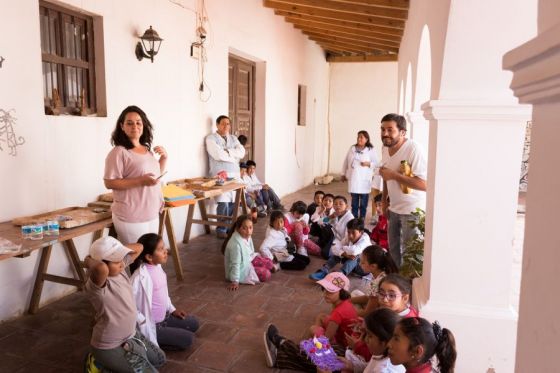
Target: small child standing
{"points": [[275, 245], [378, 262], [416, 341], [317, 202], [347, 251], [296, 224], [115, 342], [157, 318], [379, 233], [242, 264]]}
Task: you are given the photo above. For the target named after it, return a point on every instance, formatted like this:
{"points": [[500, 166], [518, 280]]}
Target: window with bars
{"points": [[68, 61]]}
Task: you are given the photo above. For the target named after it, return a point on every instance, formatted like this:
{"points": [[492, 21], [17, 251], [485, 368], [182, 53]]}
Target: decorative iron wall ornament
{"points": [[2, 59], [525, 159], [7, 134]]}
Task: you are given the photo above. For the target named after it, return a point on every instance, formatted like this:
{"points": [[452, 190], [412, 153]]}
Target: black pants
{"points": [[326, 238], [297, 264]]}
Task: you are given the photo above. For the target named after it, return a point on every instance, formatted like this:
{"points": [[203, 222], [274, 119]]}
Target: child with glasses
{"points": [[394, 294], [414, 343]]}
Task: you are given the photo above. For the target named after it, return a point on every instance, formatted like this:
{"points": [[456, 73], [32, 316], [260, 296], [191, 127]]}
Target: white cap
{"points": [[108, 248]]}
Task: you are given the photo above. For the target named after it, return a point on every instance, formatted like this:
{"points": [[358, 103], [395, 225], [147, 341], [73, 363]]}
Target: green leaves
{"points": [[413, 257]]}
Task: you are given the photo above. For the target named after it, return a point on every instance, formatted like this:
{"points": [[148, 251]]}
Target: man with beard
{"points": [[397, 148]]}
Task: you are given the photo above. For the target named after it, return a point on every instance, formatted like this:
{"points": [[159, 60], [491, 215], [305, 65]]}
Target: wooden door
{"points": [[241, 101]]}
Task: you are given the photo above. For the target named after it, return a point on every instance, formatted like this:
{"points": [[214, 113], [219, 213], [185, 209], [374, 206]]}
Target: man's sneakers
{"points": [[221, 234], [319, 275], [272, 341]]}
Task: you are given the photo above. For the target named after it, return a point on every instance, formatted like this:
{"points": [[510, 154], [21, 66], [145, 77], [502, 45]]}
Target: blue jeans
{"points": [[348, 265], [359, 204], [226, 209], [400, 232]]}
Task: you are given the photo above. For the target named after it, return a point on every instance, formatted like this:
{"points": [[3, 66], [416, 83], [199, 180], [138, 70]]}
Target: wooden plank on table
{"points": [[69, 217]]}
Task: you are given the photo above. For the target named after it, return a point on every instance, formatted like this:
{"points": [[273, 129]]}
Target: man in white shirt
{"points": [[224, 154], [397, 148]]}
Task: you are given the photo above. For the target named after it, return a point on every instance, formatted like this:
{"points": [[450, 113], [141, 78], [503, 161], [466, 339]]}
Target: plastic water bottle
{"points": [[53, 228], [26, 232], [37, 232]]}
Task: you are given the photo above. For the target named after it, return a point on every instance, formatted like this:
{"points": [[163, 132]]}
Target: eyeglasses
{"points": [[390, 296]]}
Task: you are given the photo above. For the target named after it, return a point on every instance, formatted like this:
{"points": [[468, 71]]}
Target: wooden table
{"points": [[66, 236], [206, 219]]}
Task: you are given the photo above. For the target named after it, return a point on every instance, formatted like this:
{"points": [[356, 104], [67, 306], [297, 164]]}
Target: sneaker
{"points": [[91, 365], [270, 350], [273, 336], [276, 268], [261, 214], [221, 234], [302, 251], [319, 275]]}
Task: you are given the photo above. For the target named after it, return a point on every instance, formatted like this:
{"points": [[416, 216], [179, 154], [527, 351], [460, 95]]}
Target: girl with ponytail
{"points": [[415, 341]]}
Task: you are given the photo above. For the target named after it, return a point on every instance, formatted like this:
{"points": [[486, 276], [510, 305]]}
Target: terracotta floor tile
{"points": [[215, 355], [212, 331]]}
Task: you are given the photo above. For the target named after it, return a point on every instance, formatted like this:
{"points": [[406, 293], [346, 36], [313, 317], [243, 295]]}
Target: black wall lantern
{"points": [[149, 46]]}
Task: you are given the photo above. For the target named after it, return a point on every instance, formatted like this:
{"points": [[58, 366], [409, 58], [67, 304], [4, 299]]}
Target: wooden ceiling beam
{"points": [[398, 4], [357, 36], [341, 15], [352, 41], [340, 22], [342, 49], [363, 9], [348, 30], [365, 58], [347, 46]]}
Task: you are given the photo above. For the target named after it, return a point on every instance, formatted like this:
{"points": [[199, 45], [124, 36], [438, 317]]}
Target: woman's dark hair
{"points": [[250, 163], [404, 284], [319, 192], [328, 195], [119, 138], [366, 135], [377, 255], [399, 119], [434, 339], [356, 224], [219, 119], [299, 206], [149, 243], [275, 215], [234, 227], [342, 198], [382, 323]]}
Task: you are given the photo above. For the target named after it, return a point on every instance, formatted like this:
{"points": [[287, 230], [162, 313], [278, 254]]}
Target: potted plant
{"points": [[413, 257]]}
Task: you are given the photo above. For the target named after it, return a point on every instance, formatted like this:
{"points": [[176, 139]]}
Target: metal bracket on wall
{"points": [[2, 59]]}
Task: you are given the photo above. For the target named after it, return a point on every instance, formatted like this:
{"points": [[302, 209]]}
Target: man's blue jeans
{"points": [[226, 209], [400, 232]]}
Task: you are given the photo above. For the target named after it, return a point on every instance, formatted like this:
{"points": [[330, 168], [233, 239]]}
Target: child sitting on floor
{"points": [[116, 344], [394, 294], [347, 251], [296, 224], [157, 318], [242, 264], [317, 202], [337, 224], [276, 242], [379, 233], [284, 353], [414, 343], [378, 262]]}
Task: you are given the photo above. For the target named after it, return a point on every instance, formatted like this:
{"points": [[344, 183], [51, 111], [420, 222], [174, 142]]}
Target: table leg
{"points": [[173, 247], [39, 280], [97, 235], [188, 225], [244, 207], [238, 193], [162, 217], [204, 214], [75, 259]]}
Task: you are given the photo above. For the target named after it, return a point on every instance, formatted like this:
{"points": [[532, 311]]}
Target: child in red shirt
{"points": [[379, 233]]}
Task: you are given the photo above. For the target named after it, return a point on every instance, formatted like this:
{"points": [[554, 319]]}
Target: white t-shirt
{"points": [[379, 364], [400, 202]]}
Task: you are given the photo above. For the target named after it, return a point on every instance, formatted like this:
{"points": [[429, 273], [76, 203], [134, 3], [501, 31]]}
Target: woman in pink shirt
{"points": [[132, 172]]}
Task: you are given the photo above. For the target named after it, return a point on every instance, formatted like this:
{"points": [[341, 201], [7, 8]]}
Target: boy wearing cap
{"points": [[115, 342]]}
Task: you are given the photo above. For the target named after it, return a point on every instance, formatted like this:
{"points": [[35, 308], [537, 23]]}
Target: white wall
{"points": [[360, 95], [61, 163]]}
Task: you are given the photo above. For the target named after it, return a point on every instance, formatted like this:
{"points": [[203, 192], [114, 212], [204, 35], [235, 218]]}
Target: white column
{"points": [[535, 66], [418, 128], [475, 151]]}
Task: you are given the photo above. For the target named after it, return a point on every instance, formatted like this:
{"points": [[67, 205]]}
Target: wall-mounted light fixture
{"points": [[149, 46]]}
